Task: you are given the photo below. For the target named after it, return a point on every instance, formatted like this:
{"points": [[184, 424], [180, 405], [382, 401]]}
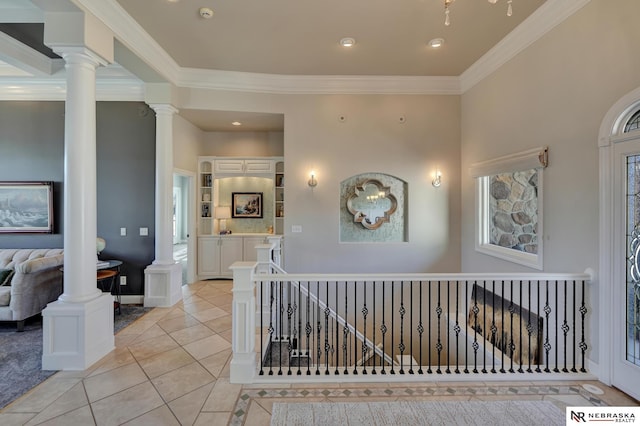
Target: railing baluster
{"points": [[429, 328], [512, 346], [448, 370], [280, 327], [494, 329], [393, 308], [557, 314], [583, 343], [466, 328], [308, 329], [262, 353], [402, 312], [365, 311], [539, 336], [575, 335], [319, 329], [503, 348], [565, 328], [420, 330], [383, 330], [529, 327], [345, 331], [475, 344], [374, 328], [411, 327], [439, 344], [520, 370], [484, 325], [547, 311], [335, 353], [299, 341], [354, 350], [457, 328]]}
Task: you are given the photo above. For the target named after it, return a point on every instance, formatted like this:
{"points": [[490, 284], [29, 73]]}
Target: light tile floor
{"points": [[171, 367]]}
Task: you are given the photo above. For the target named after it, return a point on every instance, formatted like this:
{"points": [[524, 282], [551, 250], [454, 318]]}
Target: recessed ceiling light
{"points": [[173, 1], [436, 42], [348, 42], [236, 123]]}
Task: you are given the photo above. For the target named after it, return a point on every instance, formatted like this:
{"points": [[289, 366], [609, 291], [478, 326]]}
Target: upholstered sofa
{"points": [[32, 280]]}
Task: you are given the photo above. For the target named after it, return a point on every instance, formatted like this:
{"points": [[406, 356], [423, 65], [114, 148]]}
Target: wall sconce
{"points": [[222, 214], [313, 182], [437, 181]]}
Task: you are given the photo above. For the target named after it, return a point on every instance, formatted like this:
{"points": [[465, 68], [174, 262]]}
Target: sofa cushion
{"points": [[10, 258], [5, 276], [40, 263], [5, 296]]}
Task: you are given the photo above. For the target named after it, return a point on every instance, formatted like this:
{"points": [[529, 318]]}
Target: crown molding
{"points": [[313, 84], [113, 83], [132, 35], [26, 58], [543, 20]]}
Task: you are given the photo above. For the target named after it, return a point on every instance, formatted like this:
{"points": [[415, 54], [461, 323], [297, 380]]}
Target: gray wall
{"points": [[32, 148]]}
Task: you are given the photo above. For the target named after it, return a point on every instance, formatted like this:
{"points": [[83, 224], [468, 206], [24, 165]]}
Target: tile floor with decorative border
{"points": [[171, 367]]}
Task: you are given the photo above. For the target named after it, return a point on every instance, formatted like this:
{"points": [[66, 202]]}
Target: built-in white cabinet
{"points": [[213, 209], [243, 166], [217, 254]]}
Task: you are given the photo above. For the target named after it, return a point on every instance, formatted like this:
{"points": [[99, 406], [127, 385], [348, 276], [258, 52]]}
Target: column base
{"points": [[76, 335], [162, 285], [243, 368]]}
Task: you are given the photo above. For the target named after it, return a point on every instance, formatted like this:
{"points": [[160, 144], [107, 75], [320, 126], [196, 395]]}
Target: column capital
{"points": [[80, 55], [164, 109]]}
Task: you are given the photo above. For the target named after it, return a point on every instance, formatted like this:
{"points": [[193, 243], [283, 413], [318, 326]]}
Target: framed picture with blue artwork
{"points": [[26, 207]]}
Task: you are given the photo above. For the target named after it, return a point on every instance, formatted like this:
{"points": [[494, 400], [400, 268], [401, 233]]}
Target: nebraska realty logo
{"points": [[579, 415]]}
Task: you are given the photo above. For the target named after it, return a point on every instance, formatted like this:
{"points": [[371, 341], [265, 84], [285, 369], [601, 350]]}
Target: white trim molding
{"points": [[610, 132], [135, 38], [536, 158]]}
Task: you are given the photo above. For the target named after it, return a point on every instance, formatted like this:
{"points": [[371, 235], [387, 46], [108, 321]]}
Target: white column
{"points": [[164, 183], [80, 208], [78, 328], [243, 361], [163, 278]]}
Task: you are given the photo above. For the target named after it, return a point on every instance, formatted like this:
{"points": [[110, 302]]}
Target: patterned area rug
{"points": [[524, 413], [21, 353]]}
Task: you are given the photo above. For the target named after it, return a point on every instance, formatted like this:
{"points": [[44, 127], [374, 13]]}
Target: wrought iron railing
{"points": [[410, 324]]}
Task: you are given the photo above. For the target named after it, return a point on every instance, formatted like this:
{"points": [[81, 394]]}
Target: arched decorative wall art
{"points": [[373, 208]]}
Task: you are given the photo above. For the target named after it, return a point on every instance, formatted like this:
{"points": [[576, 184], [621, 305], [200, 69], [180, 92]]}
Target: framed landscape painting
{"points": [[26, 207], [246, 205]]}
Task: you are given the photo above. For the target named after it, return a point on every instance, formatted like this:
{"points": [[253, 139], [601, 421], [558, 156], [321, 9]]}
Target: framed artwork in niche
{"points": [[26, 207], [246, 205]]}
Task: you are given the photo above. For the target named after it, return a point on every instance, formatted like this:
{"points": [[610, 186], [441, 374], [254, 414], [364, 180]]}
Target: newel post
{"points": [[243, 362], [265, 252]]}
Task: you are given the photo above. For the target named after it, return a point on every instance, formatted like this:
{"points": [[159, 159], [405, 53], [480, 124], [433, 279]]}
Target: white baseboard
{"points": [[132, 299]]}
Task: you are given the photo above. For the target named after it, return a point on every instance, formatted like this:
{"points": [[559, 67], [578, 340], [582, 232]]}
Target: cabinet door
{"points": [[229, 166], [208, 256], [258, 166], [250, 252], [230, 252]]}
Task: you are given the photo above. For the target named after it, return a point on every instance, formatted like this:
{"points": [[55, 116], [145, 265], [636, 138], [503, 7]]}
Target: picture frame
{"points": [[246, 205], [26, 207]]}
